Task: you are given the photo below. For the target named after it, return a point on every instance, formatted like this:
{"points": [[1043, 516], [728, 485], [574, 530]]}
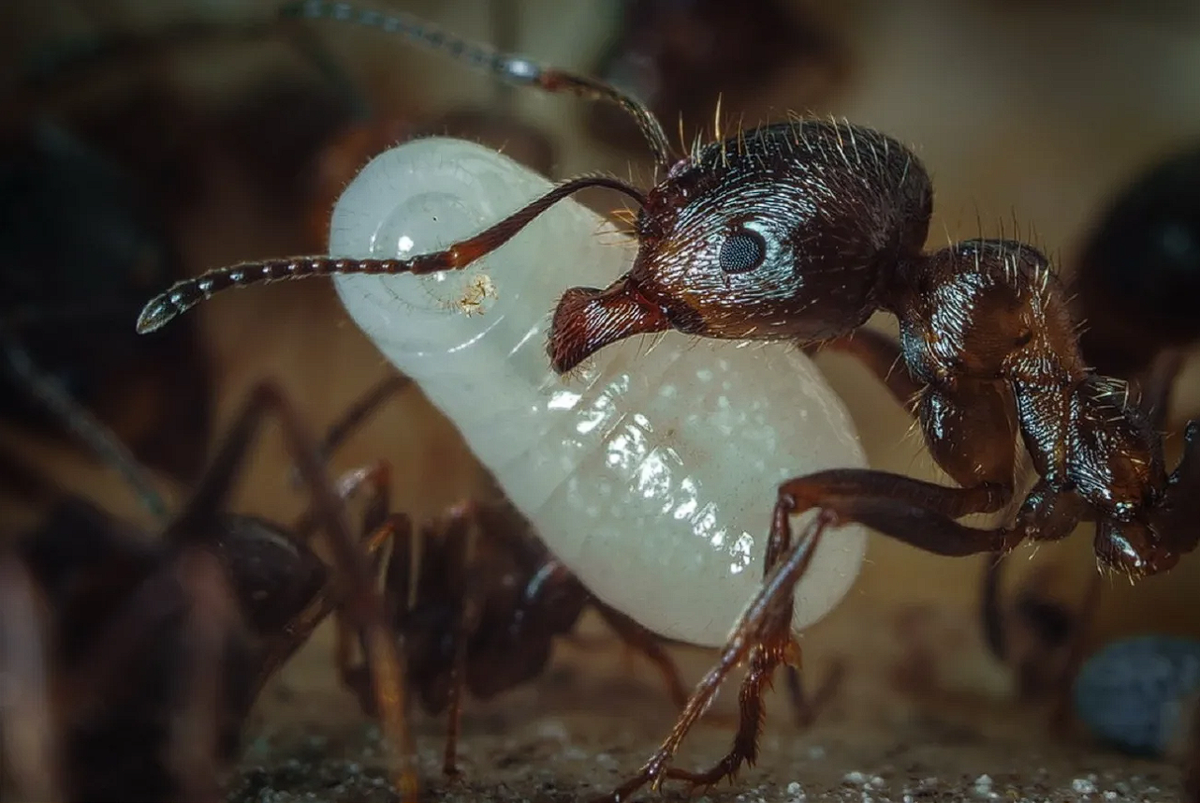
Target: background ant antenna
{"points": [[514, 69], [83, 425]]}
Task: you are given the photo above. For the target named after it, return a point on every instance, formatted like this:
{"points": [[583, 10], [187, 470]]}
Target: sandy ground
{"points": [[595, 716]]}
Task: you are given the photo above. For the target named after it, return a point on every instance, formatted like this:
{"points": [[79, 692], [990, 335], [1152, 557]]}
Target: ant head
{"points": [[778, 234]]}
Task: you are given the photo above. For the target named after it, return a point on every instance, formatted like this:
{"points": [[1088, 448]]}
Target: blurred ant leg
{"points": [[1063, 712], [1157, 382], [806, 707], [29, 754], [358, 595], [991, 611], [881, 355], [396, 529], [212, 615], [1047, 625], [463, 519], [769, 611], [1191, 761], [376, 479], [83, 425], [360, 410], [649, 645]]}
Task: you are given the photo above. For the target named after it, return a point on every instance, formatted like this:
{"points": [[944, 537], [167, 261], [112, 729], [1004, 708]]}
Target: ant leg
{"points": [[1157, 383], [395, 529], [27, 731], [881, 355], [360, 410], [649, 645], [769, 610], [86, 428], [468, 622], [1044, 628], [922, 514], [357, 413], [805, 706], [358, 595], [1061, 715], [1191, 763], [376, 479]]}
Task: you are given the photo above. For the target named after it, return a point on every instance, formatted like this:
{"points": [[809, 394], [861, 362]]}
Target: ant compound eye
{"points": [[742, 251]]}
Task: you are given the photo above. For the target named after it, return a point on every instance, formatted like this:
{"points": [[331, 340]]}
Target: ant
{"points": [[796, 232], [135, 661], [476, 599]]}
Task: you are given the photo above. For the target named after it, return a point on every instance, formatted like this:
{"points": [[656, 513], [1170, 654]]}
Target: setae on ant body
{"points": [[797, 232]]}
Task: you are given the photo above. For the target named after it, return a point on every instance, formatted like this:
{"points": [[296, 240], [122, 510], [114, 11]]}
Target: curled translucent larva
{"points": [[651, 471]]}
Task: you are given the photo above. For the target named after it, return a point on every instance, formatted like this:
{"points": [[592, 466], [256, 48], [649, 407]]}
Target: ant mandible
{"points": [[798, 232]]}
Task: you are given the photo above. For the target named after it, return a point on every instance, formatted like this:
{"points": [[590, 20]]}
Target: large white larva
{"points": [[651, 472]]}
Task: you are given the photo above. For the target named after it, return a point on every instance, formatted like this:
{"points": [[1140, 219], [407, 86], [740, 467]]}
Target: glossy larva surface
{"points": [[651, 471]]}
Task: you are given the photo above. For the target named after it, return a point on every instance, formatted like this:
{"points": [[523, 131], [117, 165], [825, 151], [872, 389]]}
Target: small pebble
{"points": [[983, 785], [1131, 693]]}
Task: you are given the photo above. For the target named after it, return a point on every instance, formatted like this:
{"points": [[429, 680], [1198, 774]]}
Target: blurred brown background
{"points": [[1027, 115]]}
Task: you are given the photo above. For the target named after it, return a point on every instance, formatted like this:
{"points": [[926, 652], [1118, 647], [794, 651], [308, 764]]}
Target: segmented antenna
{"points": [[514, 69], [83, 425], [186, 294]]}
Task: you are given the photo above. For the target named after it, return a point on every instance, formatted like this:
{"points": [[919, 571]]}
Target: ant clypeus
{"points": [[797, 232], [133, 662]]}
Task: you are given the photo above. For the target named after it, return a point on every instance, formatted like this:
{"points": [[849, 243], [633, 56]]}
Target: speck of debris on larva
{"points": [[479, 289]]}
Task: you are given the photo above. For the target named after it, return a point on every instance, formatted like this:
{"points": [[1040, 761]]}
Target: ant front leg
{"points": [[881, 355], [357, 593], [757, 634], [642, 640]]}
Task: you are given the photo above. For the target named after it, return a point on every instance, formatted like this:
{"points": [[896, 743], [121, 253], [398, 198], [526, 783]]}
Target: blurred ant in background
{"points": [[134, 661], [685, 57], [137, 677]]}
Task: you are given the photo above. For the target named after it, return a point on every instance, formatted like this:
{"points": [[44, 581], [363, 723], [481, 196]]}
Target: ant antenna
{"points": [[83, 425], [514, 69], [183, 295]]}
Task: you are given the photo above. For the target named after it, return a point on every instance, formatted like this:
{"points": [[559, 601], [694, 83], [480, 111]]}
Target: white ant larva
{"points": [[651, 470]]}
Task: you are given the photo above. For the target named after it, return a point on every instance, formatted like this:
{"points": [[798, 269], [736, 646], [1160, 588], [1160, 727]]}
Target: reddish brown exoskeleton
{"points": [[797, 232]]}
